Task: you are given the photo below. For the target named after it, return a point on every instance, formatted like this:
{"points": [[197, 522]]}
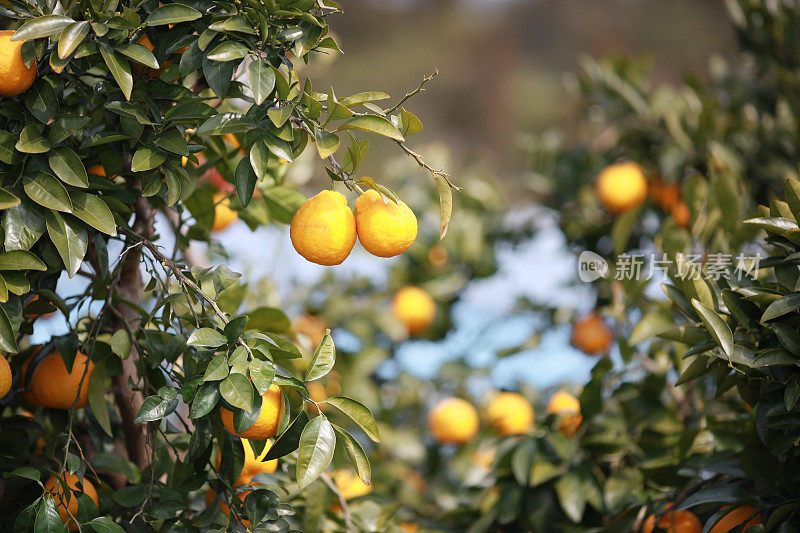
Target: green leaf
{"points": [[97, 397], [362, 98], [226, 123], [315, 450], [218, 74], [571, 495], [261, 78], [228, 51], [217, 369], [207, 337], [43, 26], [356, 454], [24, 225], [787, 304], [121, 343], [94, 212], [323, 360], [445, 204], [20, 260], [71, 37], [245, 179], [409, 123], [792, 392], [373, 124], [235, 24], [279, 115], [103, 524], [237, 391], [7, 200], [262, 373], [41, 101], [716, 326], [172, 14], [259, 159], [31, 140], [146, 158], [68, 167], [172, 141], [119, 68], [140, 54], [8, 339], [156, 407], [48, 192], [289, 440], [47, 518], [70, 238], [327, 143], [282, 202], [205, 399], [358, 413], [25, 472]]}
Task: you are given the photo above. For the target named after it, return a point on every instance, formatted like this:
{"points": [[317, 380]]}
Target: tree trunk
{"points": [[130, 288]]}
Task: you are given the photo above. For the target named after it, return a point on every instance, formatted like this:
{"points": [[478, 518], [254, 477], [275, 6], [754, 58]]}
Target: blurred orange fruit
{"points": [[224, 216], [52, 386], [5, 376], [323, 230], [568, 409], [68, 503], [665, 195], [591, 335], [97, 170], [681, 214], [15, 77], [385, 228], [674, 522], [453, 421], [621, 187], [509, 413], [414, 308], [438, 256], [747, 515], [310, 326], [266, 426], [349, 484]]}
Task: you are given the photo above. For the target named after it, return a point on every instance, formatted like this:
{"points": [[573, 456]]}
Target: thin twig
{"points": [[348, 519], [419, 89]]}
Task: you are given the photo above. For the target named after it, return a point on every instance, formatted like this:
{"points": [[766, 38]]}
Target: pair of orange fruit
{"points": [[324, 229]]}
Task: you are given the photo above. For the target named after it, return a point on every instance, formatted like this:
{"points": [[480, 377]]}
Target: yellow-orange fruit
{"points": [[5, 376], [384, 228], [621, 187], [323, 230], [224, 216], [453, 421], [592, 335], [568, 409], [68, 503], [349, 484], [253, 465], [414, 308], [97, 170], [52, 386], [681, 214], [15, 77], [665, 195], [210, 495], [747, 515], [674, 522], [266, 426], [438, 256], [310, 326], [509, 413]]}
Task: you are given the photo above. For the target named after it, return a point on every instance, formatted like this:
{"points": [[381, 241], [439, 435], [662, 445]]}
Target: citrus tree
{"points": [[129, 131]]}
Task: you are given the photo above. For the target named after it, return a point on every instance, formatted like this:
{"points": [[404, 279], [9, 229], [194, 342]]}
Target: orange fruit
{"points": [[438, 256], [621, 187], [591, 335], [568, 409], [311, 327], [509, 413], [97, 170], [681, 214], [665, 195], [51, 385], [231, 139], [349, 484], [384, 228], [323, 230], [253, 465], [15, 77], [414, 308], [224, 216], [5, 376], [747, 515], [674, 522], [210, 495], [266, 426], [68, 503], [453, 421]]}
